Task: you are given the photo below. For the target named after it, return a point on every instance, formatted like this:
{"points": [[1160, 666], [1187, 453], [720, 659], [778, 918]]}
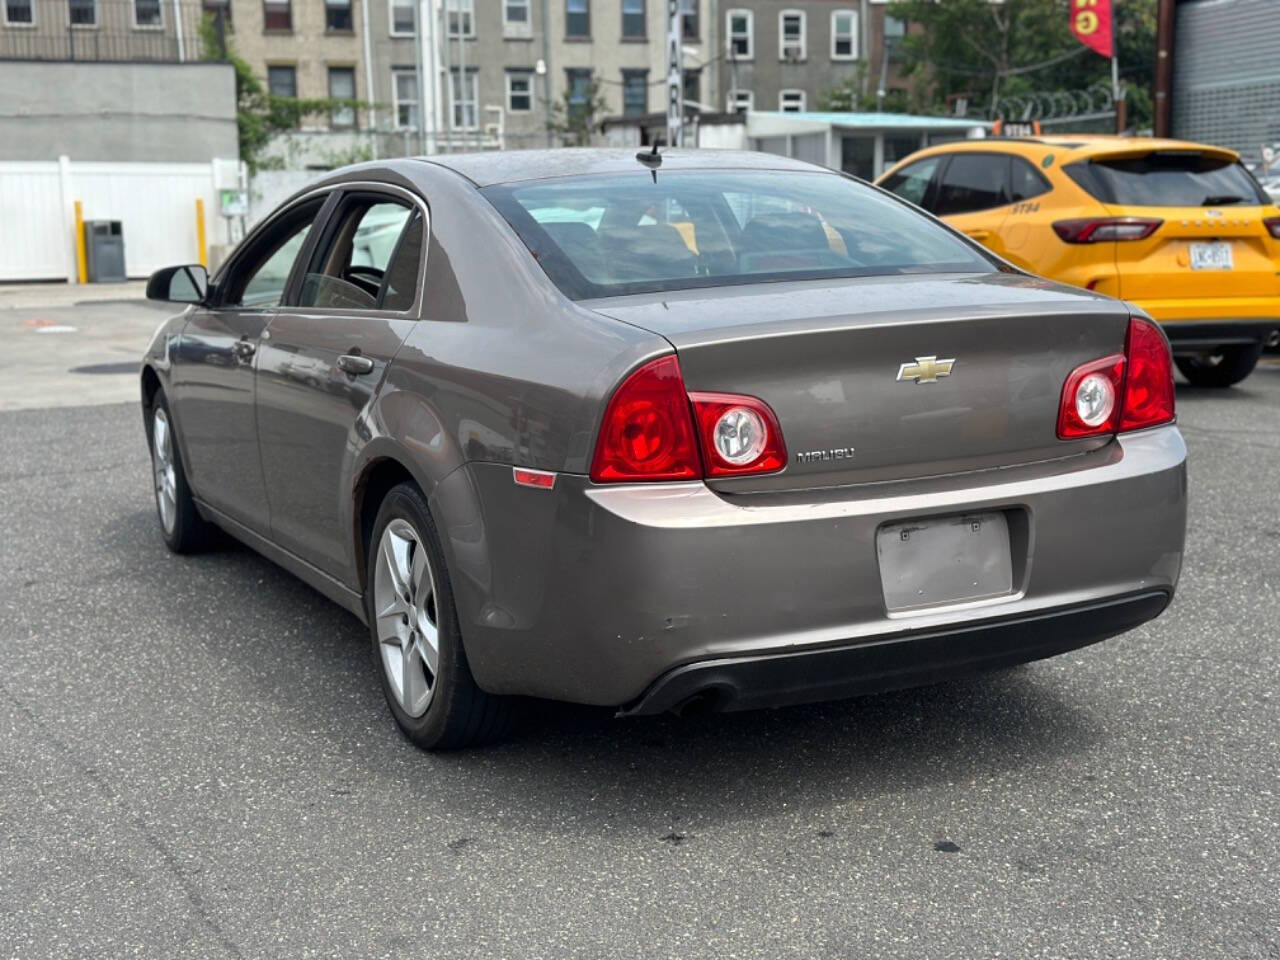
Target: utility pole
{"points": [[1164, 69], [420, 15]]}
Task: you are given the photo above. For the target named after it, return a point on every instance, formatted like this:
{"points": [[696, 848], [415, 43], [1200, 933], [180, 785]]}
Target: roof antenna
{"points": [[652, 159]]}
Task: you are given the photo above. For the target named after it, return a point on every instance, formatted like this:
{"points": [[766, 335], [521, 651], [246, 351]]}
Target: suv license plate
{"points": [[1211, 256]]}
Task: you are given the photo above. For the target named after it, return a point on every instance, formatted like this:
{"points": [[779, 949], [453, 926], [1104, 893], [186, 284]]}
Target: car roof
{"points": [[1076, 146], [506, 166]]}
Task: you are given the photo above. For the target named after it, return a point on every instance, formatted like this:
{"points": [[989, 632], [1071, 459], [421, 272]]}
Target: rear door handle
{"points": [[355, 364]]}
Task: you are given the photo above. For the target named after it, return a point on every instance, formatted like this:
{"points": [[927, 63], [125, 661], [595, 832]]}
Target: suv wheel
{"points": [[1228, 366]]}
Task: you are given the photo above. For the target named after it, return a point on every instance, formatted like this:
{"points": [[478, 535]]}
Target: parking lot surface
{"points": [[196, 761]]}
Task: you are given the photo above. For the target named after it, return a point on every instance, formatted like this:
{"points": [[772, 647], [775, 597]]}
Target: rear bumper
{"points": [[776, 680], [1200, 336], [1215, 321], [592, 593]]}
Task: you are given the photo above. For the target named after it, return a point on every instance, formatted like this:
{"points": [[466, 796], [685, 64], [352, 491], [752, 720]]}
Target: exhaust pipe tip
{"points": [[1273, 338]]}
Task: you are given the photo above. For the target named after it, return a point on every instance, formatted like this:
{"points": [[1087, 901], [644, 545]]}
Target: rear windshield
{"points": [[632, 233], [1168, 180]]}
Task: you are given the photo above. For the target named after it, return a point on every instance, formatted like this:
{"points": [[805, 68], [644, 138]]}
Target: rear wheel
{"points": [[417, 645], [1224, 368], [181, 525]]}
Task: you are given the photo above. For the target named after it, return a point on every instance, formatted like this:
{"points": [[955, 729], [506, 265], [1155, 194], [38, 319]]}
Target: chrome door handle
{"points": [[355, 364]]}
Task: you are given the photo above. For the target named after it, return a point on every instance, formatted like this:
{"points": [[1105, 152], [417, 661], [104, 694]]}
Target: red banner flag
{"points": [[1091, 23]]}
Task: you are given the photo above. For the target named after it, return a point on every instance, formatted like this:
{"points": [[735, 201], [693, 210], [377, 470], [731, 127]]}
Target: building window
{"points": [[740, 101], [337, 16], [693, 86], [463, 99], [689, 25], [844, 34], [577, 18], [519, 92], [791, 35], [791, 101], [282, 81], [19, 13], [83, 13], [342, 86], [895, 31], [635, 92], [516, 21], [633, 20], [217, 9], [461, 17], [148, 14], [741, 34], [403, 15], [404, 95], [277, 15], [579, 81]]}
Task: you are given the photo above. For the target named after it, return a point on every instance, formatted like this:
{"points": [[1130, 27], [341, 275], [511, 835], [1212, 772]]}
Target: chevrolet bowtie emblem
{"points": [[925, 370]]}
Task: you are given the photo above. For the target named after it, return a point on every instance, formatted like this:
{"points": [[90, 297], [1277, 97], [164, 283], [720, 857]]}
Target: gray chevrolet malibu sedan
{"points": [[697, 429]]}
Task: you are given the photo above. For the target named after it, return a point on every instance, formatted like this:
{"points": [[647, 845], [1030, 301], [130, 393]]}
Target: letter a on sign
{"points": [[1091, 23]]}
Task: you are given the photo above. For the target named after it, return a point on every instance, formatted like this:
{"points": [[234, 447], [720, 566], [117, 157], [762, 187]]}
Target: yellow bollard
{"points": [[203, 253], [82, 259]]}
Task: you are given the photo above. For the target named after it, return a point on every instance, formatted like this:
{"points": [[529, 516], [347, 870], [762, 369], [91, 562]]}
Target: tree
{"points": [[989, 50], [574, 118], [260, 115]]}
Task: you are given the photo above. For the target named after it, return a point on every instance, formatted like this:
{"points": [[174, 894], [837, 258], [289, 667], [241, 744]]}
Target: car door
{"points": [[213, 370], [973, 195], [916, 181], [323, 357]]}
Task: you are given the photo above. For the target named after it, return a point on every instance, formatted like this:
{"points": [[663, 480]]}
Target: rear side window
{"points": [[1025, 181], [610, 235], [973, 181], [912, 181], [1167, 179]]}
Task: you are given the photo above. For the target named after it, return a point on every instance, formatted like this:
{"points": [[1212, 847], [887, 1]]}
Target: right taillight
{"points": [[1120, 392], [1273, 226], [1103, 229]]}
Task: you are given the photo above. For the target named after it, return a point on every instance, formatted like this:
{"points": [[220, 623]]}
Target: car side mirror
{"points": [[185, 284]]}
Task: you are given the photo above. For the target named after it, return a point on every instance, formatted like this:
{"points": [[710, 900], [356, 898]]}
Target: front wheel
{"points": [[1225, 368], [417, 644], [181, 525]]}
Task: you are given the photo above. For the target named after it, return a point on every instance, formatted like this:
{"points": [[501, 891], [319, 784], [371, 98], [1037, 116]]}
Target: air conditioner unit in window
{"points": [[792, 53]]}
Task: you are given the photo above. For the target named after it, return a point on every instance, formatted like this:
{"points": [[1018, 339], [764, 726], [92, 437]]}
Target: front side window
{"points": [[912, 181], [741, 34], [612, 235], [519, 92], [844, 34], [404, 91], [261, 281], [19, 13], [635, 92], [83, 13], [633, 20], [740, 101], [461, 18], [342, 86], [337, 16], [370, 259], [791, 38], [277, 15], [462, 95], [577, 18], [403, 15], [972, 181], [791, 101]]}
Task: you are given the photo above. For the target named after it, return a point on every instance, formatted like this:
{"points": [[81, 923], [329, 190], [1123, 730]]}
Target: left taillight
{"points": [[1121, 392], [654, 429]]}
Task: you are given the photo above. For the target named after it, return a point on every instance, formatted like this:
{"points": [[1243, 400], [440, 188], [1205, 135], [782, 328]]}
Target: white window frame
{"points": [[465, 10], [396, 102], [782, 36], [355, 86], [517, 28], [732, 104], [391, 16], [751, 33], [527, 77], [19, 24], [97, 18], [853, 35], [474, 101], [782, 100], [133, 17]]}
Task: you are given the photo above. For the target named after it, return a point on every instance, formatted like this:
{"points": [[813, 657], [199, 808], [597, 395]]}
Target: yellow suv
{"points": [[1180, 229]]}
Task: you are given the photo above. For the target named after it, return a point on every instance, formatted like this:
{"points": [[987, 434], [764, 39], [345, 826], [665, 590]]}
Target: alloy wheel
{"points": [[404, 605], [166, 479]]}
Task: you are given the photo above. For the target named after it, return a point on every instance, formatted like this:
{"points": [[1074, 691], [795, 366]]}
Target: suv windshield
{"points": [[1180, 179], [629, 233]]}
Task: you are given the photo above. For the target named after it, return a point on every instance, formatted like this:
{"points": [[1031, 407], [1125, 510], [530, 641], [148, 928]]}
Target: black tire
{"points": [[459, 714], [190, 532], [1225, 368]]}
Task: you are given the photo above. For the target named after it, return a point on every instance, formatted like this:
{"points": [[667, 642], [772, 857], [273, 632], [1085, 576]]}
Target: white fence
{"points": [[155, 203]]}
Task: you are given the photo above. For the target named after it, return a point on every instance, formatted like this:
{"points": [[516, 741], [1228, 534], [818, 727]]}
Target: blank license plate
{"points": [[1211, 256], [944, 560]]}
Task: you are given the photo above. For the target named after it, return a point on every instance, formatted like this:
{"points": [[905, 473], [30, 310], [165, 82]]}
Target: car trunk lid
{"points": [[846, 367]]}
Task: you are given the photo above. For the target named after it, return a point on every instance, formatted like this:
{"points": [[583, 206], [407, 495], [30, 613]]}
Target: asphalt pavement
{"points": [[196, 761]]}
